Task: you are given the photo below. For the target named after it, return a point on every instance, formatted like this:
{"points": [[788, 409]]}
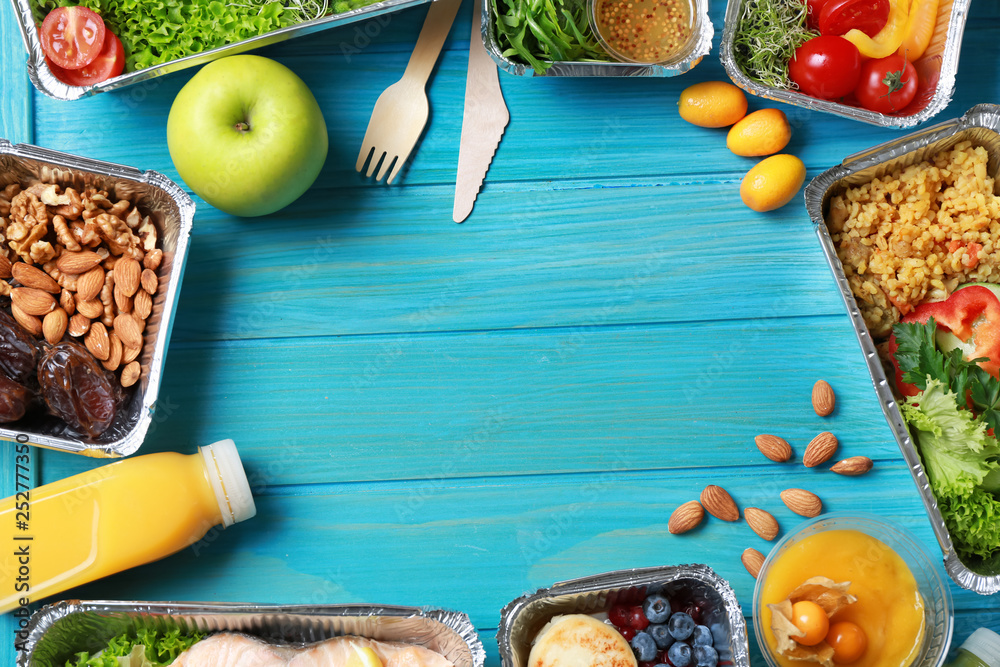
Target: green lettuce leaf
{"points": [[146, 648]]}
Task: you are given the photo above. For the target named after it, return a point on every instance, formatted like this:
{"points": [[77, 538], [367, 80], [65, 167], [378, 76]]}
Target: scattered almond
{"points": [[149, 281], [75, 263], [127, 275], [54, 325], [31, 323], [97, 341], [79, 324], [719, 503], [820, 449], [91, 308], [823, 398], [128, 330], [130, 373], [31, 276], [89, 285], [33, 301], [761, 522], [802, 502], [853, 466], [753, 560], [686, 517], [142, 304], [773, 447]]}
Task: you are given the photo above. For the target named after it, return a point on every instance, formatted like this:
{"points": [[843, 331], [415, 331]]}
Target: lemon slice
{"points": [[364, 657]]}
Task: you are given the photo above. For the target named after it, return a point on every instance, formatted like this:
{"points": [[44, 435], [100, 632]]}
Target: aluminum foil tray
{"points": [[43, 79], [58, 631], [981, 125], [522, 619], [700, 46], [172, 210], [935, 70]]}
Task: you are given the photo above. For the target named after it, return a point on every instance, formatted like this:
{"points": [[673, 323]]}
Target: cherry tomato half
{"points": [[109, 62], [826, 67], [840, 16], [887, 84], [72, 36]]}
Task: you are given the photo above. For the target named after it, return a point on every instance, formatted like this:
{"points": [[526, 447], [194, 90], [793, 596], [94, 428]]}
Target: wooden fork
{"points": [[401, 110]]}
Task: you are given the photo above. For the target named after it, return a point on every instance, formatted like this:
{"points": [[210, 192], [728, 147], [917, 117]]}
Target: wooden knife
{"points": [[483, 123]]}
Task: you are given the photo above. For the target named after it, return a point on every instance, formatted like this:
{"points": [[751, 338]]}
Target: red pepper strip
{"points": [[973, 315], [904, 388]]}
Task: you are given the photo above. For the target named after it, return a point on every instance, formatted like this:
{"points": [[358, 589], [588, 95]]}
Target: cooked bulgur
{"points": [[917, 233]]}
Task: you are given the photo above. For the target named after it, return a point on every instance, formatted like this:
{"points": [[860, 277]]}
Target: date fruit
{"points": [[15, 399], [18, 350], [77, 389]]}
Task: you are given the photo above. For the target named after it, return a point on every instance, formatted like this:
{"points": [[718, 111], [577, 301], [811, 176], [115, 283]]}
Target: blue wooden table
{"points": [[453, 415]]}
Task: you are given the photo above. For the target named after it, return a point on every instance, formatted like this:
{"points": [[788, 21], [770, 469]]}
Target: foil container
{"points": [[46, 82], [981, 126], [172, 211], [58, 631], [522, 619], [936, 71], [699, 47]]}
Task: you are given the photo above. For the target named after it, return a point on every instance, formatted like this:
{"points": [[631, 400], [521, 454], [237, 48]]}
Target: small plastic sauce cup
{"points": [[646, 32]]}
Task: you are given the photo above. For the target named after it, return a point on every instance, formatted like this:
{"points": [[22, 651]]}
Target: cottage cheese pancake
{"points": [[578, 640]]}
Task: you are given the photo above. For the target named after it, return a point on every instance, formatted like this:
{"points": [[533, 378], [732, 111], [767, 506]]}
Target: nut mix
{"points": [[80, 264]]}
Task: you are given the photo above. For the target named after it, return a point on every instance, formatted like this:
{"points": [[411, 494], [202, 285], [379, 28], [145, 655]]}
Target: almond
{"points": [[802, 502], [130, 354], [131, 373], [773, 447], [97, 341], [761, 522], [115, 355], [820, 449], [31, 323], [149, 281], [75, 263], [685, 517], [823, 398], [753, 560], [79, 324], [91, 308], [852, 467], [128, 330], [67, 301], [30, 275], [54, 325], [143, 304], [122, 300], [33, 301], [152, 259], [5, 273], [127, 275], [88, 286], [717, 502]]}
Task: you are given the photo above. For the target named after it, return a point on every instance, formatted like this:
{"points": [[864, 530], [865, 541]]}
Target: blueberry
{"points": [[657, 608], [661, 635], [702, 635], [681, 626], [680, 655], [705, 656], [644, 647]]}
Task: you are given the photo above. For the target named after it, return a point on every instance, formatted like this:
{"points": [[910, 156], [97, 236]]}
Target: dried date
{"points": [[77, 389], [18, 350], [15, 399]]}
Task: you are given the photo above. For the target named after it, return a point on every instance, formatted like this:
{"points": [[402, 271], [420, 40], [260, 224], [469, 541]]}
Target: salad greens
{"points": [[959, 453], [146, 648], [766, 36], [537, 31]]}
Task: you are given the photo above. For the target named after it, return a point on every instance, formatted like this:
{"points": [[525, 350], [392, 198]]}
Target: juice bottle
{"points": [[981, 649], [115, 517]]}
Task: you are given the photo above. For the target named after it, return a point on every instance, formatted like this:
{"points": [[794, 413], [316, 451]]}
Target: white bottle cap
{"points": [[229, 481], [985, 645]]}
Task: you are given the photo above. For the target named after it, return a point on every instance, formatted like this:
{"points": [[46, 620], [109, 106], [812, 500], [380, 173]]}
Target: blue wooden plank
{"points": [[16, 117]]}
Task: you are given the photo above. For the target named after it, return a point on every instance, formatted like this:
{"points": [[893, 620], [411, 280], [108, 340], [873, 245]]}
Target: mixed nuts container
{"points": [[169, 211], [981, 126], [936, 71]]}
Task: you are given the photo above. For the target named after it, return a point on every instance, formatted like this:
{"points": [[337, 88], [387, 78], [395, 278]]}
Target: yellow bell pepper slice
{"points": [[888, 38], [919, 29]]}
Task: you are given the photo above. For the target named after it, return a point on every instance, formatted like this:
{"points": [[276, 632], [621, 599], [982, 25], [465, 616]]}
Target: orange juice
{"points": [[889, 606], [116, 517]]}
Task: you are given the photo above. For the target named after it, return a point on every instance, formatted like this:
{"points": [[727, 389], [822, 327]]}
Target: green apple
{"points": [[247, 135]]}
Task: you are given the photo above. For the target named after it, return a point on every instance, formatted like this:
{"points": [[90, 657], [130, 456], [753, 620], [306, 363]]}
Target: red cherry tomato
{"points": [[110, 62], [840, 16], [826, 67], [814, 8], [72, 37], [887, 84]]}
